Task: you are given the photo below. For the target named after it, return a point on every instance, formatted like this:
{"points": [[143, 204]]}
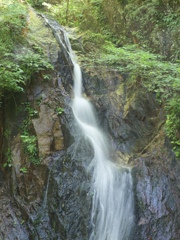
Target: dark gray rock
{"points": [[53, 200]]}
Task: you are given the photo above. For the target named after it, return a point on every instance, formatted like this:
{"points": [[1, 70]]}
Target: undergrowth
{"points": [[16, 69], [113, 33], [29, 141], [134, 37], [150, 71]]}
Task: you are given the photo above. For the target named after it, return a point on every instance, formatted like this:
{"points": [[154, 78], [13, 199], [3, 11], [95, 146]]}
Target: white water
{"points": [[112, 210], [46, 191], [112, 205]]}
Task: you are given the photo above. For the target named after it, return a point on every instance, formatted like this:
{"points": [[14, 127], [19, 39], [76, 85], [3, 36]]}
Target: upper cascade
{"points": [[113, 205]]}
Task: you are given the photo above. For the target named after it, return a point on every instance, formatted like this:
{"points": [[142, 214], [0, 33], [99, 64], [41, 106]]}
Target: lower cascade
{"points": [[112, 206]]}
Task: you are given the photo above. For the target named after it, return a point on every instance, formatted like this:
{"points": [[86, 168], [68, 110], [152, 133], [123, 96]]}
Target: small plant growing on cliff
{"points": [[23, 170], [30, 147], [46, 76], [7, 133], [59, 111], [8, 156], [29, 141], [32, 113]]}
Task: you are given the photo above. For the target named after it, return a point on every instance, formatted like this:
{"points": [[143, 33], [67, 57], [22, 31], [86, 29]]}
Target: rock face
{"points": [[48, 130], [134, 122], [49, 200], [52, 200], [156, 197]]}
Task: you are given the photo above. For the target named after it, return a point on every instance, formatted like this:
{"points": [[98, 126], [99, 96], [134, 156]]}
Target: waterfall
{"points": [[112, 205], [112, 210]]}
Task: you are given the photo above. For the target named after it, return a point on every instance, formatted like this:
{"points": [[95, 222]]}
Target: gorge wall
{"points": [[52, 200]]}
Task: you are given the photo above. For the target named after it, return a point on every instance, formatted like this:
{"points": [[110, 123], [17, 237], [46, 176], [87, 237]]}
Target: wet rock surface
{"points": [[50, 200], [134, 121], [69, 193], [53, 200], [156, 176], [129, 114], [12, 221], [48, 130]]}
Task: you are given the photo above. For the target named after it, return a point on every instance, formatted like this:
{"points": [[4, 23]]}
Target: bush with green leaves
{"points": [[149, 24], [59, 111], [16, 70], [11, 77], [173, 123], [35, 3], [13, 21], [8, 158], [29, 140], [32, 62], [30, 147], [151, 72], [108, 27]]}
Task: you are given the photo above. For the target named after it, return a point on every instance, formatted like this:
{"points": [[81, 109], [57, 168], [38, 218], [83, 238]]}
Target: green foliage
{"points": [[32, 113], [150, 71], [46, 76], [6, 134], [35, 3], [30, 147], [59, 110], [92, 41], [108, 30], [173, 123], [16, 70], [23, 169], [154, 24], [135, 61], [68, 12], [150, 26], [32, 63], [74, 13], [12, 23], [11, 76], [8, 157], [29, 141]]}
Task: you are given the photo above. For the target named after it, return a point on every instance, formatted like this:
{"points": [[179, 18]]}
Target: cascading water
{"points": [[112, 210], [112, 206]]}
